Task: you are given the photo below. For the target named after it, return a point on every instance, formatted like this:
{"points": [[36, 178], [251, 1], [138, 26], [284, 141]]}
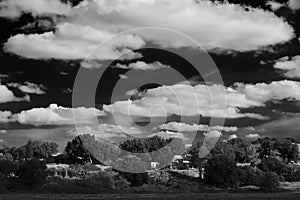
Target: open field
{"points": [[206, 196]]}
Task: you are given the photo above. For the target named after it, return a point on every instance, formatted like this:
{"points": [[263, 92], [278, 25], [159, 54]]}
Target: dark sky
{"points": [[30, 84]]}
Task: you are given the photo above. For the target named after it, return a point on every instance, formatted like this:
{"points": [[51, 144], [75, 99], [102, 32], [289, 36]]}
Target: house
{"points": [[154, 165], [180, 163]]}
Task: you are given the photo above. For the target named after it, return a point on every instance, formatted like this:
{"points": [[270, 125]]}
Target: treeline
{"points": [[230, 164], [238, 162]]}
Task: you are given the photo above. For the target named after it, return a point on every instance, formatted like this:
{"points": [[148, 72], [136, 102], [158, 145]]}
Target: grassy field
{"points": [[206, 196]]}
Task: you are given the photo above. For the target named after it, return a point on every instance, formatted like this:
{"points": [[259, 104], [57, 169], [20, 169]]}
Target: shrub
{"points": [[33, 172], [136, 179], [8, 167]]}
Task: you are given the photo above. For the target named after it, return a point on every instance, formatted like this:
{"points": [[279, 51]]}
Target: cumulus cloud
{"points": [[70, 41], [252, 29], [5, 116], [252, 135], [188, 101], [29, 88], [57, 115], [229, 27], [140, 65], [3, 76], [122, 76], [104, 131], [294, 4], [213, 134], [7, 95], [169, 134], [274, 5], [291, 67], [183, 127], [260, 93], [15, 8], [210, 101], [231, 137]]}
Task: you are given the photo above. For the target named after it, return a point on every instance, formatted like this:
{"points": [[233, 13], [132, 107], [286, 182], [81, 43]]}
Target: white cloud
{"points": [[183, 127], [140, 65], [213, 134], [294, 4], [29, 88], [234, 136], [7, 95], [15, 8], [5, 116], [71, 41], [274, 5], [213, 25], [122, 76], [188, 101], [57, 115], [276, 90], [169, 134], [210, 101], [102, 131], [3, 76], [292, 67], [252, 135], [250, 128]]}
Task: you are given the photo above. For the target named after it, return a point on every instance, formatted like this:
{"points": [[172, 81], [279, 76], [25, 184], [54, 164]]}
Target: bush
{"points": [[8, 167], [33, 172], [270, 182], [94, 184], [137, 179], [3, 183]]}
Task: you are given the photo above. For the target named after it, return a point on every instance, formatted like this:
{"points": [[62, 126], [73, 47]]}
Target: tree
{"points": [[267, 147], [163, 156], [250, 176], [270, 181], [288, 150], [101, 151], [77, 151], [240, 149], [146, 145], [29, 149], [252, 154], [33, 172], [6, 156], [221, 171], [272, 164], [160, 150], [129, 166]]}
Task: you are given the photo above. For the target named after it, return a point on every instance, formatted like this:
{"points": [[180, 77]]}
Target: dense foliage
{"points": [[230, 164]]}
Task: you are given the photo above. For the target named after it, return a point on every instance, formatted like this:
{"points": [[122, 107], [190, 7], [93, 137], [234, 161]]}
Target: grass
{"points": [[204, 196]]}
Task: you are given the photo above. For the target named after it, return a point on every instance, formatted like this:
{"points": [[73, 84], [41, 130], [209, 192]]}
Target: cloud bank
{"points": [[57, 115], [230, 27], [210, 101]]}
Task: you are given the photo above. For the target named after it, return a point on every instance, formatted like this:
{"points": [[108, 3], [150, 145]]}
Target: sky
{"points": [[138, 68]]}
